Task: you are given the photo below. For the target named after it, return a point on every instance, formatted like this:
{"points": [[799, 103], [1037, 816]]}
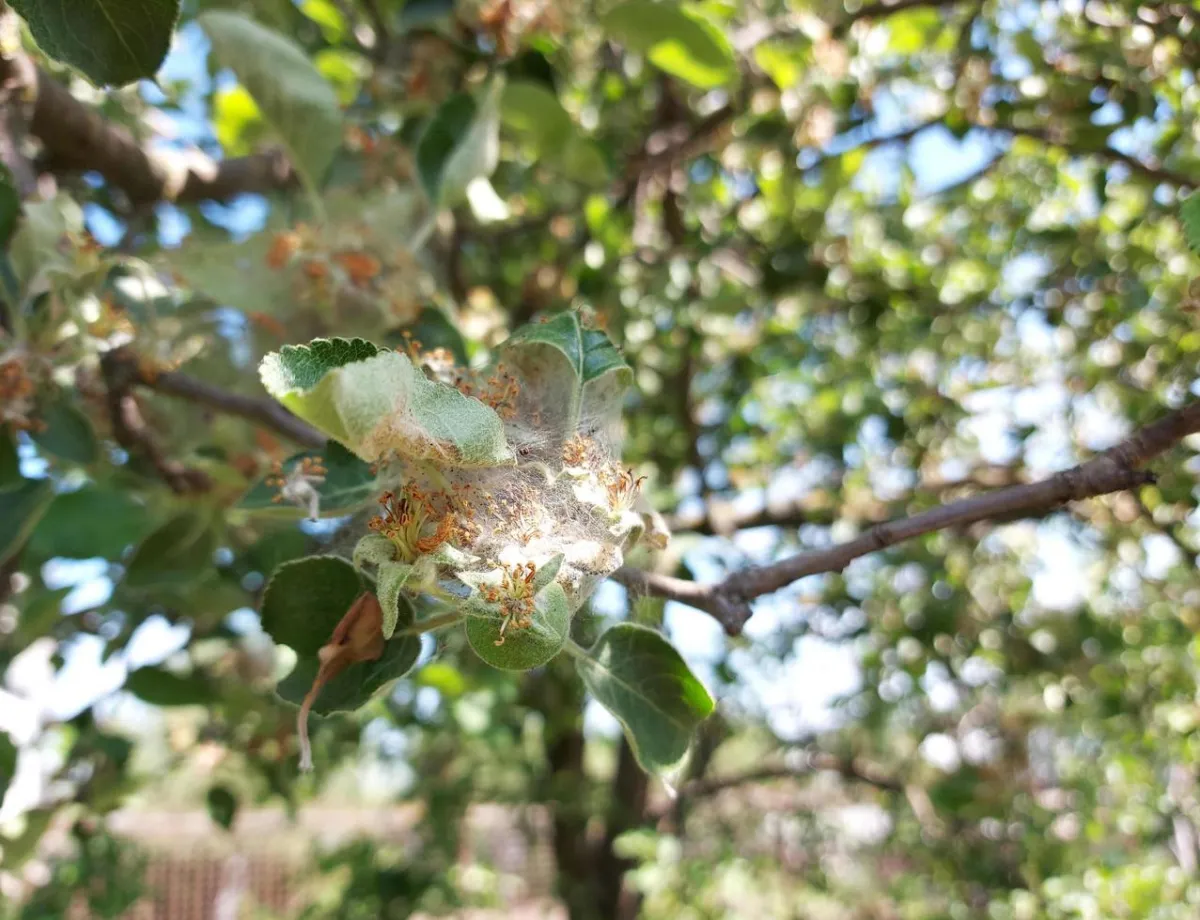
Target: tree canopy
{"points": [[804, 392]]}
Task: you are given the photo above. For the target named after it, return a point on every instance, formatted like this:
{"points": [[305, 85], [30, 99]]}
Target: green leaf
{"points": [[534, 114], [235, 274], [521, 649], [110, 41], [305, 599], [68, 433], [36, 249], [1189, 213], [675, 40], [90, 522], [911, 30], [304, 602], [354, 687], [460, 143], [237, 120], [326, 15], [383, 405], [8, 762], [10, 461], [178, 551], [164, 688], [301, 367], [571, 371], [222, 805], [373, 549], [21, 508], [391, 579], [349, 485], [299, 104], [640, 678], [10, 205]]}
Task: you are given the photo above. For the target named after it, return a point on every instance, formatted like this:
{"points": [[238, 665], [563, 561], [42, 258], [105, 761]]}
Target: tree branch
{"points": [[262, 411], [1149, 170], [131, 431], [77, 139], [1114, 470], [854, 770]]}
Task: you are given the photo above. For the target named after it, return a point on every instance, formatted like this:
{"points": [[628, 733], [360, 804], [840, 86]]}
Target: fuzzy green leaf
{"points": [[391, 579], [163, 688], [294, 98], [349, 485], [383, 405], [354, 687], [521, 649], [306, 598], [110, 41], [304, 601], [21, 508], [373, 549], [640, 678], [569, 370], [674, 40]]}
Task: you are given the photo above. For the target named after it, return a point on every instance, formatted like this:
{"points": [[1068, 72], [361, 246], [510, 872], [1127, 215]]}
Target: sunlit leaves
{"points": [[298, 103], [1189, 213], [533, 113], [675, 40], [110, 41], [640, 678], [460, 145]]}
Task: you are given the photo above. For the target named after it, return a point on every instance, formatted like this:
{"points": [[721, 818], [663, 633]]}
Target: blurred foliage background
{"points": [[864, 259]]}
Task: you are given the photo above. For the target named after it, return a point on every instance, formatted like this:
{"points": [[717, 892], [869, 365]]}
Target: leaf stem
{"points": [[429, 624], [574, 649]]}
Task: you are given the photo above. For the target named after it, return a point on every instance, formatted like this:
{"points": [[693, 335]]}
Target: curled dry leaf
{"points": [[357, 637]]}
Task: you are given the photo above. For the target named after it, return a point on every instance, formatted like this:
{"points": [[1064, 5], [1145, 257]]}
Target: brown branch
{"points": [[77, 139], [854, 770], [262, 411], [1150, 170], [265, 412], [1115, 470], [131, 431]]}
